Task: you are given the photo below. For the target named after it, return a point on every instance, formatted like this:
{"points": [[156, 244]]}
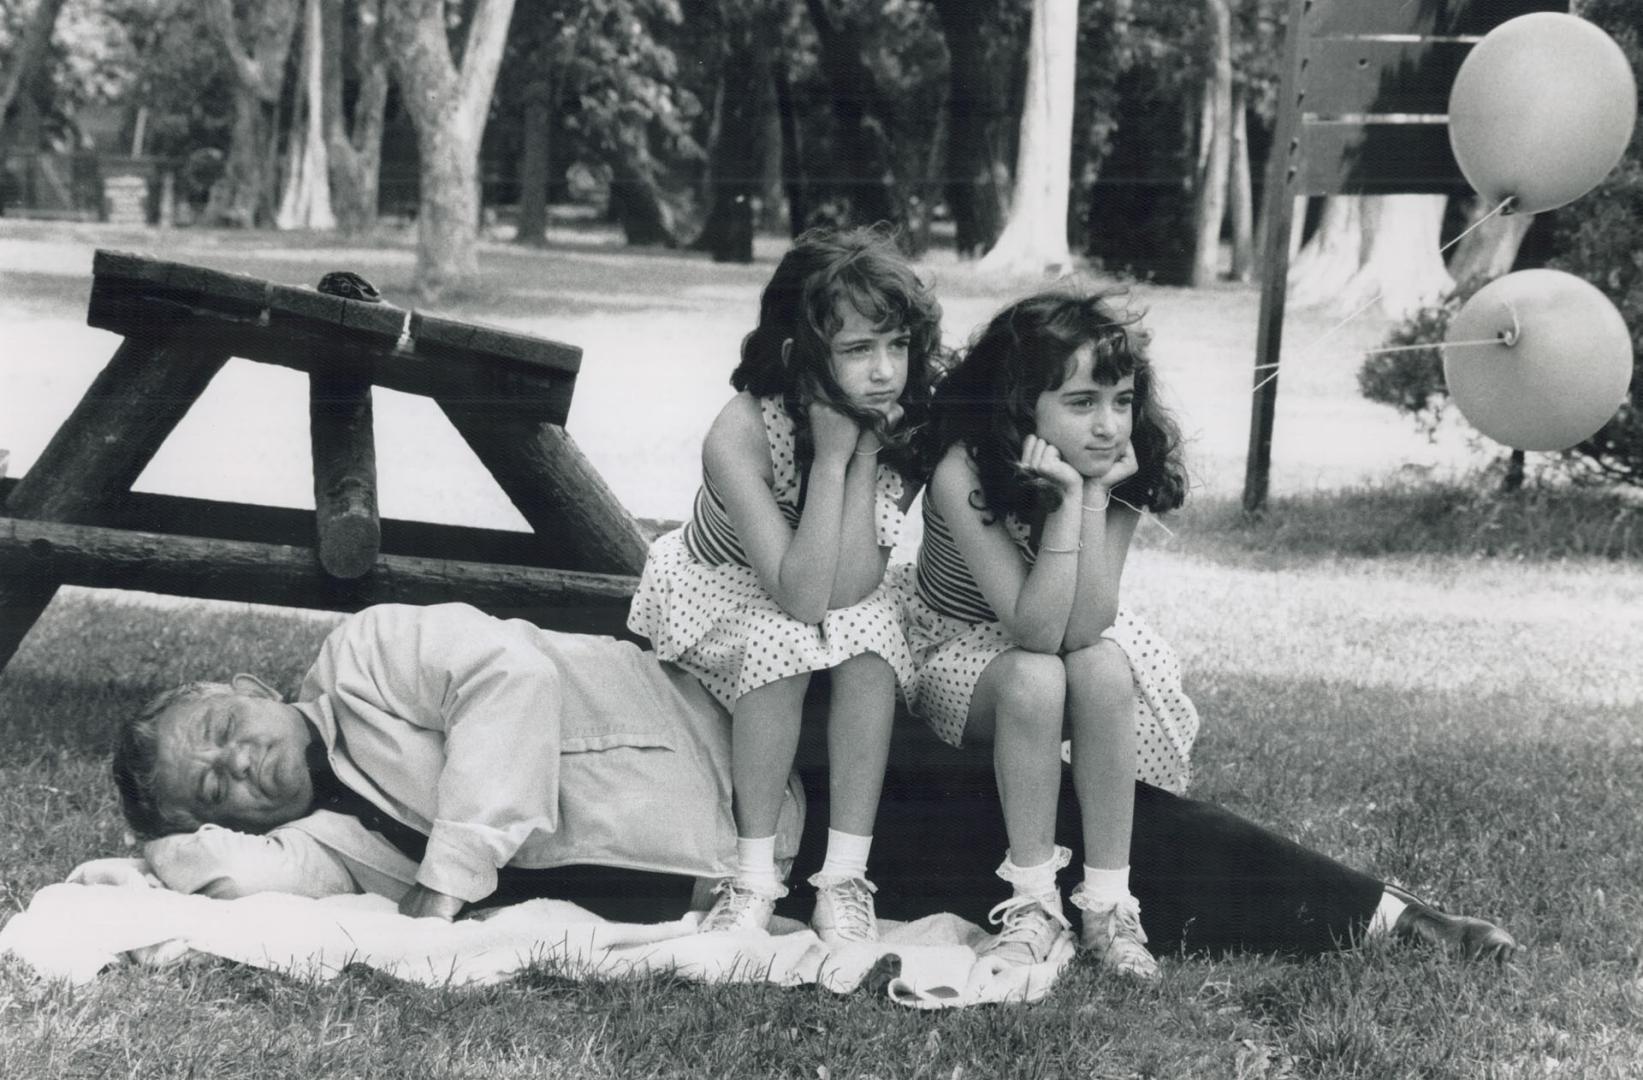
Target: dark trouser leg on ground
{"points": [[1210, 881], [1207, 879]]}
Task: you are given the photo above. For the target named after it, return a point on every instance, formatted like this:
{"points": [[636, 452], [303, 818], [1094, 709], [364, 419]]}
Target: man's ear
{"points": [[787, 351], [251, 686]]}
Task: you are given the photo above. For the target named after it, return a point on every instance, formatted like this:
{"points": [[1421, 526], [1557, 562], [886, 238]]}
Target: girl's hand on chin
{"points": [[835, 434], [1039, 458], [869, 441], [1124, 467]]}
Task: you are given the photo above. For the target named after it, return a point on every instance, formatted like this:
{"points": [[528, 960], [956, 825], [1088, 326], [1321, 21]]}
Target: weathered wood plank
{"points": [[546, 476], [92, 460], [1352, 77], [296, 344], [288, 576], [475, 342], [1423, 17], [128, 286], [149, 512], [340, 429], [1377, 158], [306, 345]]}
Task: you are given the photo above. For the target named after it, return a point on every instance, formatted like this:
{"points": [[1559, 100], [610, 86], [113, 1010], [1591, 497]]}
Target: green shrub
{"points": [[1412, 381]]}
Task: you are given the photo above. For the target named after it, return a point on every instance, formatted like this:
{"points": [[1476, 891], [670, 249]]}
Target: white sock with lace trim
{"points": [[1036, 880], [1105, 887]]}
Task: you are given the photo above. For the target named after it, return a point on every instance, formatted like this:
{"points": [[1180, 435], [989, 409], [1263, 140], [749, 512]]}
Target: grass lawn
{"points": [[1466, 724]]}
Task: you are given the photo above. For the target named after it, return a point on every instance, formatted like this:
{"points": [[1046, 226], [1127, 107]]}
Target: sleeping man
{"points": [[447, 760]]}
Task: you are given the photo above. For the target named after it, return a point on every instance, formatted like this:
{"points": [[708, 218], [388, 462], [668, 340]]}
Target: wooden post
{"points": [[1282, 165], [345, 474], [97, 454], [554, 487]]}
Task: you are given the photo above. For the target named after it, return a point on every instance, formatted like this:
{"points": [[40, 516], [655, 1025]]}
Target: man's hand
{"points": [[422, 902], [130, 872]]}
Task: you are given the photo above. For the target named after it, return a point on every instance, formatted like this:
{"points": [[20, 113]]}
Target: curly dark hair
{"points": [[136, 761], [987, 401], [861, 266]]}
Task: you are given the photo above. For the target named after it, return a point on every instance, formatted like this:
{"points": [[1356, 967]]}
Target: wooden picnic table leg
{"points": [[135, 402], [545, 474], [345, 474]]}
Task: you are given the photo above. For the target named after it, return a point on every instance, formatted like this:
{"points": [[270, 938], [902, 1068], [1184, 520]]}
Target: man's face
{"points": [[236, 759]]}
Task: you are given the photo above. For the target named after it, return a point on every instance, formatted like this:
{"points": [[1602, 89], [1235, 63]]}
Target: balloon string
{"points": [[1146, 515], [1373, 300], [1498, 340]]}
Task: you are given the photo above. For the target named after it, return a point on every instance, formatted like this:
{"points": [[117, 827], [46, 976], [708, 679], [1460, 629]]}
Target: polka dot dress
{"points": [[718, 623], [950, 654]]}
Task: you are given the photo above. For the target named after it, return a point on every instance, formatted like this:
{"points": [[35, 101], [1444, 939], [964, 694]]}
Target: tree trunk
{"points": [[1488, 250], [772, 190], [533, 166], [735, 158], [1035, 239], [1240, 195], [1327, 261], [975, 162], [244, 195], [864, 117], [1401, 268], [637, 203], [1216, 141], [448, 107], [306, 201], [793, 182], [356, 156], [25, 59]]}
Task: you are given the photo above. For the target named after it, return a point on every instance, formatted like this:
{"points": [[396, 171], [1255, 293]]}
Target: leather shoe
{"points": [[1474, 939]]}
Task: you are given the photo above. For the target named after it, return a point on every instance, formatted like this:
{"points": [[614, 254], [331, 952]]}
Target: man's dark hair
{"points": [[136, 759]]}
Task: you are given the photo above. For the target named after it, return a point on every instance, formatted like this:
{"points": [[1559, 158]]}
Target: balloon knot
{"points": [[1510, 337]]}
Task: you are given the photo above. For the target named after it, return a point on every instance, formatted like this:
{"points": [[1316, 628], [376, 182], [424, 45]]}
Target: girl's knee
{"points": [[1033, 689], [866, 663], [1100, 666]]}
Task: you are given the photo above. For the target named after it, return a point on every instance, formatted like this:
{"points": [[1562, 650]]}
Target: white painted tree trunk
{"points": [[306, 201], [1333, 253], [1035, 237], [1240, 200], [448, 106], [1488, 249], [1401, 266], [1215, 142]]}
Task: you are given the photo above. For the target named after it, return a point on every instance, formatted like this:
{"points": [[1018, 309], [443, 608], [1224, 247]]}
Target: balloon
{"points": [[1555, 365], [1541, 110]]}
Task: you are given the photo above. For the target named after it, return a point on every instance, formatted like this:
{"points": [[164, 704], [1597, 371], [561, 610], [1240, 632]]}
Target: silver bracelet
{"points": [[867, 453], [1045, 549], [1103, 506]]}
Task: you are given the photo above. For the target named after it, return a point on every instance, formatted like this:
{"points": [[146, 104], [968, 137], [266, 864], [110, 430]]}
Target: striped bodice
{"points": [[709, 534], [943, 578]]}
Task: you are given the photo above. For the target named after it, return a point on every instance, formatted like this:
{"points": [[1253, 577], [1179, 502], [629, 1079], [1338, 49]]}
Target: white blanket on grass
{"points": [[74, 931]]}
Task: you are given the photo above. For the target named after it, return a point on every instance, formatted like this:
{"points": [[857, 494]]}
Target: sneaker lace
{"points": [[1016, 917], [1127, 915], [734, 901], [853, 906]]}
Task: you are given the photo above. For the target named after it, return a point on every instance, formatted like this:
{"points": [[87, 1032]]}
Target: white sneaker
{"points": [[1033, 931], [1112, 932], [740, 907], [844, 911]]}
